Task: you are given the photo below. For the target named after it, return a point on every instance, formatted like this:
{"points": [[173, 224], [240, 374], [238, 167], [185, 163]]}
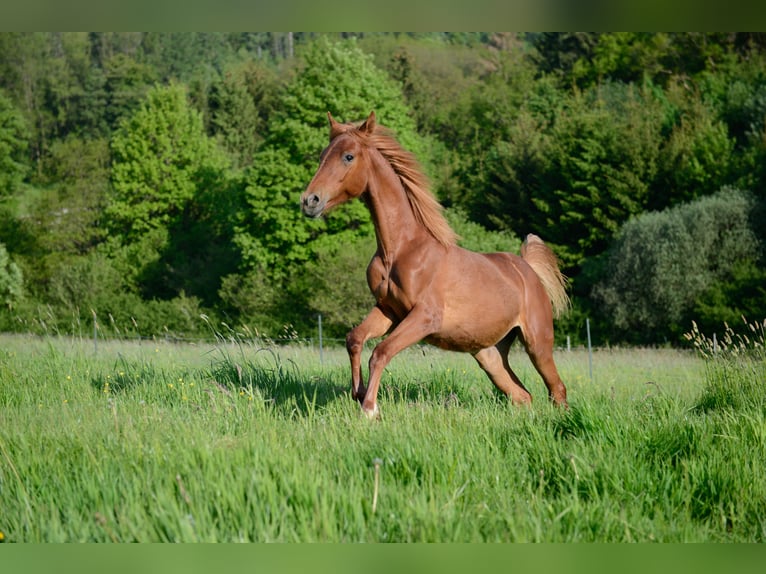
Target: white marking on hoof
{"points": [[373, 414]]}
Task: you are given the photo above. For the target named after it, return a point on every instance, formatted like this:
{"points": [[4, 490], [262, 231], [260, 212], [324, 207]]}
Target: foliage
{"points": [[475, 237], [126, 83], [697, 157], [13, 143], [605, 158], [663, 263], [250, 298], [337, 77], [574, 168], [161, 158], [70, 214], [334, 283], [178, 157], [726, 300], [240, 105], [11, 280]]}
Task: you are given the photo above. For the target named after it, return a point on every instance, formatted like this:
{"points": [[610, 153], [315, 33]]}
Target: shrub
{"points": [[662, 263]]}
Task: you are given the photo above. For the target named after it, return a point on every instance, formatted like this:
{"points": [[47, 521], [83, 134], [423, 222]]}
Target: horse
{"points": [[426, 287]]}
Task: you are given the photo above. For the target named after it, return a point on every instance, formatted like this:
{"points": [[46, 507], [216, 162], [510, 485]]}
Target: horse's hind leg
{"points": [[538, 341], [495, 364]]}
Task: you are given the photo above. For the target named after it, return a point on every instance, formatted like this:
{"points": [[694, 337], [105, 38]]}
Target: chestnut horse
{"points": [[427, 288]]}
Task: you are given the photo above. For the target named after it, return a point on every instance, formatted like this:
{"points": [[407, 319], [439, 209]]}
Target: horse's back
{"points": [[500, 270]]}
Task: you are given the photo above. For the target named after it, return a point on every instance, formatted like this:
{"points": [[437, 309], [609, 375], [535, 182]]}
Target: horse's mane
{"points": [[427, 209]]}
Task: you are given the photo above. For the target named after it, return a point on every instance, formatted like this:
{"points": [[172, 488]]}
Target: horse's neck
{"points": [[396, 226]]}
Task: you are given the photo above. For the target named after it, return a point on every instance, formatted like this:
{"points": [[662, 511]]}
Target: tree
{"points": [[13, 147], [334, 284], [161, 158], [571, 168], [558, 53], [240, 104], [180, 56], [338, 77], [70, 213], [696, 156], [604, 162], [51, 78], [494, 133], [126, 83], [23, 69]]}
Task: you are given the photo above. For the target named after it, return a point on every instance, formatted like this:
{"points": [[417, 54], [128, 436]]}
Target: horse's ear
{"points": [[369, 124], [335, 128]]}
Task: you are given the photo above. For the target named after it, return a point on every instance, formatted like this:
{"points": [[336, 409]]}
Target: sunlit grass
{"points": [[241, 441]]}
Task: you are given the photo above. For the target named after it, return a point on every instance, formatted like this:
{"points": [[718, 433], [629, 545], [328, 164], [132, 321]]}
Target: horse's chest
{"points": [[388, 289]]}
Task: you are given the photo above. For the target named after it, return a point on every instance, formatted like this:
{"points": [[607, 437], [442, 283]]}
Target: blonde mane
{"points": [[427, 209]]}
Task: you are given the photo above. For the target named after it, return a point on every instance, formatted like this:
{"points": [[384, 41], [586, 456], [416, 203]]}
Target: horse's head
{"points": [[343, 168]]}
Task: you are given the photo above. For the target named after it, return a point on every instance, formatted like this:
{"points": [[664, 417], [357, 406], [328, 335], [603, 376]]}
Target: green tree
{"points": [[66, 219], [126, 83], [559, 53], [13, 147], [603, 164], [24, 61], [241, 102], [334, 285], [736, 93], [505, 191], [50, 76], [182, 56], [337, 77], [433, 75], [624, 56], [71, 212], [571, 168], [161, 159], [498, 129], [696, 156], [172, 208]]}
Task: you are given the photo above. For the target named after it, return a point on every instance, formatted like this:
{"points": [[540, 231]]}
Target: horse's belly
{"points": [[471, 335], [476, 319]]}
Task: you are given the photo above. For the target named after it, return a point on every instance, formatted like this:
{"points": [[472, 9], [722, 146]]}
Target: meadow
{"points": [[240, 440]]}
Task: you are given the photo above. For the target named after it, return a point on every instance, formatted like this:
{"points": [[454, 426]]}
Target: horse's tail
{"points": [[544, 262]]}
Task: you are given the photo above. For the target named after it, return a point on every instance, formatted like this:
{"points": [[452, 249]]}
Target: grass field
{"points": [[155, 441]]}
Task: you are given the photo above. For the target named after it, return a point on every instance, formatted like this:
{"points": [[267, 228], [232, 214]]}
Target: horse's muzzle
{"points": [[312, 205]]}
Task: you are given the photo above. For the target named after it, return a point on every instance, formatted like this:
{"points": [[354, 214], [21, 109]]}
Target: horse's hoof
{"points": [[372, 414]]}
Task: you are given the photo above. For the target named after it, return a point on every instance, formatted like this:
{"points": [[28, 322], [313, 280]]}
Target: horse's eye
{"points": [[348, 157]]}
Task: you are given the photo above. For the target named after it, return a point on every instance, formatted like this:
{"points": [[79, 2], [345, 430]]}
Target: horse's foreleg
{"points": [[376, 324], [415, 327]]}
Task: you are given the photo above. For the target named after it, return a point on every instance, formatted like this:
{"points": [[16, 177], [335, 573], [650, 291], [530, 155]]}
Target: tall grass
{"points": [[237, 441]]}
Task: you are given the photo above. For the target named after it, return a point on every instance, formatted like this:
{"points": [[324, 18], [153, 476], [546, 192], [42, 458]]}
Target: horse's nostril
{"points": [[312, 200]]}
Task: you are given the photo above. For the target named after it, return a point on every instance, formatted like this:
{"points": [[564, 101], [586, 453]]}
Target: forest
{"points": [[149, 181]]}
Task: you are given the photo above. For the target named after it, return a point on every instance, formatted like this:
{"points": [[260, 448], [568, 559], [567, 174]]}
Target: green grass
{"points": [[233, 442]]}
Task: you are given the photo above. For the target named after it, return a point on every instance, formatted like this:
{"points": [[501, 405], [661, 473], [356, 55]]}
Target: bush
{"points": [[334, 283], [250, 298], [662, 264]]}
